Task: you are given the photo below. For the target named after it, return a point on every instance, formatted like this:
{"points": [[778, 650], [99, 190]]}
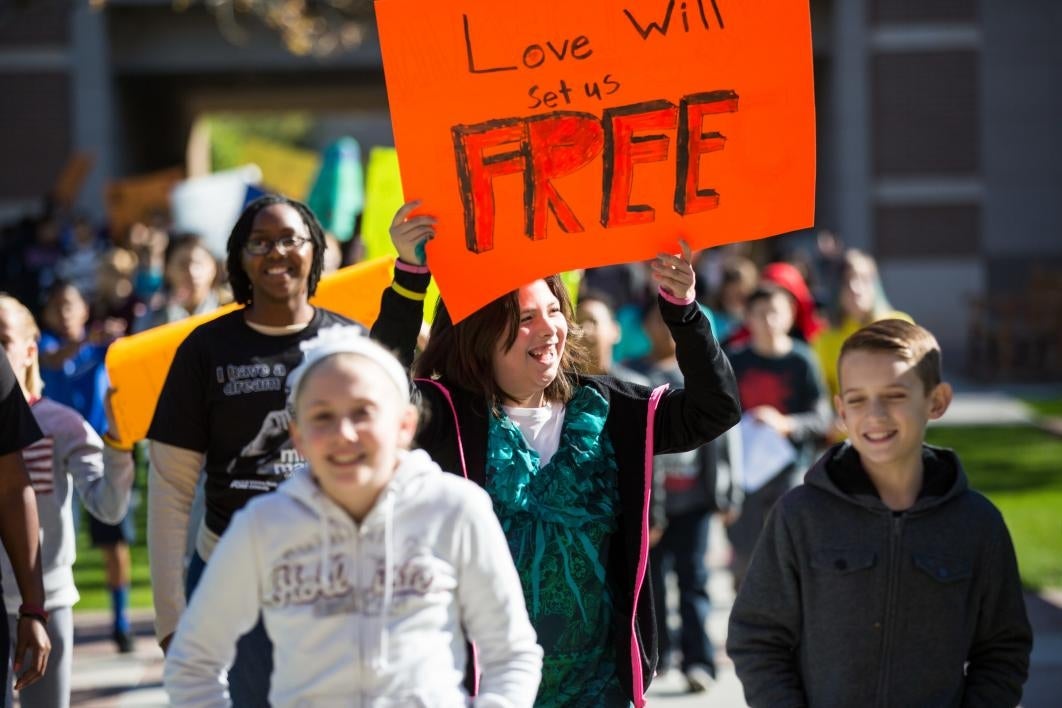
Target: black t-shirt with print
{"points": [[790, 383], [18, 428], [225, 395]]}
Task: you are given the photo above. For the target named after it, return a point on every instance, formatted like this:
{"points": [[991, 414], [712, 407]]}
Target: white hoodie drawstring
{"points": [[324, 574], [381, 660]]}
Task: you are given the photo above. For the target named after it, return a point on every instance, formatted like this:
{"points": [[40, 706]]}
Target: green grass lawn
{"points": [[91, 579], [89, 574], [1020, 469], [1046, 407]]}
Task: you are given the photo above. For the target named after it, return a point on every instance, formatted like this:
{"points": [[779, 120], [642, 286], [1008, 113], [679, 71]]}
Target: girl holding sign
{"points": [[565, 457], [223, 409]]}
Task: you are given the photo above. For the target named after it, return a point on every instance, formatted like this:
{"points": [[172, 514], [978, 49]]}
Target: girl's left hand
{"points": [[675, 273]]}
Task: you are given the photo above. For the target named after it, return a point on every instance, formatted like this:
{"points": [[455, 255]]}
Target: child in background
{"points": [[117, 304], [883, 580], [82, 248], [601, 332], [191, 273], [806, 323], [737, 281], [72, 357], [781, 388], [860, 301], [368, 566], [70, 451], [688, 487]]}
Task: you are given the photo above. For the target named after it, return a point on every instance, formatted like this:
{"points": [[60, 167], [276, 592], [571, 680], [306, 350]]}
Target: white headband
{"points": [[344, 339]]}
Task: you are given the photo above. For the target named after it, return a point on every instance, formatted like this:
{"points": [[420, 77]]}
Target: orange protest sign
{"points": [[552, 135], [72, 177], [139, 198], [137, 365]]}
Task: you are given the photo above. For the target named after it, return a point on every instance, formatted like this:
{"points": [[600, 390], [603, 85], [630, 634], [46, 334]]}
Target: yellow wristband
{"points": [[115, 443], [407, 293]]}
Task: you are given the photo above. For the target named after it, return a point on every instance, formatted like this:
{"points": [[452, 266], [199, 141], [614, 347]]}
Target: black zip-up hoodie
{"points": [[682, 419], [847, 603]]}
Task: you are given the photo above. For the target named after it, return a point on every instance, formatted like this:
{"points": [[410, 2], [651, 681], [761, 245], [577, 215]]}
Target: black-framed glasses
{"points": [[258, 246]]}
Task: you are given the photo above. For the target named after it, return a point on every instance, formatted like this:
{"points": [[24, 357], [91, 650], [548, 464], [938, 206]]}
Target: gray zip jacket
{"points": [[847, 603]]}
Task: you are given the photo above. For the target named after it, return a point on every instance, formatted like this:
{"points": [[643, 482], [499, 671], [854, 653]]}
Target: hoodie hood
{"points": [[840, 472], [788, 277]]}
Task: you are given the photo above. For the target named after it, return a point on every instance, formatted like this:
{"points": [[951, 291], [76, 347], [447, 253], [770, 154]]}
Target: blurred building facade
{"points": [[938, 123]]}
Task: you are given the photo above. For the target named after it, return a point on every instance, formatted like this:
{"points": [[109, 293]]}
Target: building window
{"points": [[921, 231], [925, 117]]}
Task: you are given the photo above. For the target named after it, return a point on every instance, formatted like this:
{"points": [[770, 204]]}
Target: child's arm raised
{"points": [[402, 303], [102, 474], [708, 404]]}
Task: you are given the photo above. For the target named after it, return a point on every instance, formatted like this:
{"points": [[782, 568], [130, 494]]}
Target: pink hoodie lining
{"points": [[638, 689], [476, 673]]}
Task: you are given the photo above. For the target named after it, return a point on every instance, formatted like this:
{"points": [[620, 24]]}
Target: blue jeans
{"points": [[683, 548], [251, 671]]}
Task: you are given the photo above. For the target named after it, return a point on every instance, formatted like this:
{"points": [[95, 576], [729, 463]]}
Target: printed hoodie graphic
{"points": [[364, 614]]}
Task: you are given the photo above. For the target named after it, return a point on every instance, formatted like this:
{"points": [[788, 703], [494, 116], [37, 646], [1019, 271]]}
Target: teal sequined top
{"points": [[559, 520]]}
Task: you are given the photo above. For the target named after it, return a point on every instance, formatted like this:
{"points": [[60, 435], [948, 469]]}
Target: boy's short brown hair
{"points": [[906, 340]]}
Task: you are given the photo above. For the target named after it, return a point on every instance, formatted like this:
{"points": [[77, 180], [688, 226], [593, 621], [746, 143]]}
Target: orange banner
{"points": [[139, 198], [137, 365], [553, 135]]}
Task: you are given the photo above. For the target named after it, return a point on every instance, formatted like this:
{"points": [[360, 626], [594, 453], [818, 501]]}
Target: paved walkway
{"points": [[105, 679]]}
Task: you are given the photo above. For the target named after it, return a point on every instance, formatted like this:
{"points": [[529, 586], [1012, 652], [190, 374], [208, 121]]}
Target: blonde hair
{"points": [[23, 322], [910, 342]]}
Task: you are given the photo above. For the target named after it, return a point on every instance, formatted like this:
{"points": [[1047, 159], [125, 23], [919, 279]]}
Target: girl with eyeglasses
{"points": [[223, 410]]}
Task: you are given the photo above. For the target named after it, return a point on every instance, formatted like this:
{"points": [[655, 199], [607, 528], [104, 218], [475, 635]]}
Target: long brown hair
{"points": [[463, 354]]}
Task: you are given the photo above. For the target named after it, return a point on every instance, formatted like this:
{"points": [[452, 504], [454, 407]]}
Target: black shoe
{"points": [[124, 641]]}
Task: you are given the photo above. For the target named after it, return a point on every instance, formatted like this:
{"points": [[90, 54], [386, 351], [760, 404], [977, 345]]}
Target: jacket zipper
{"points": [[891, 602]]}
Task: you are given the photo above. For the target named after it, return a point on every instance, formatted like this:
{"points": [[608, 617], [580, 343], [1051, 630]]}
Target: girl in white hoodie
{"points": [[370, 567]]}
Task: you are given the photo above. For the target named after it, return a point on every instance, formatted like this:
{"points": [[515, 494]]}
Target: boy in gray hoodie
{"points": [[884, 580]]}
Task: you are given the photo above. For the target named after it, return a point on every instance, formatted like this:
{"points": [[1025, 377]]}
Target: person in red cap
{"points": [[807, 323]]}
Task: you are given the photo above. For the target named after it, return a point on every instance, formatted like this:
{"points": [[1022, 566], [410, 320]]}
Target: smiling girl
{"points": [[565, 457], [371, 563]]}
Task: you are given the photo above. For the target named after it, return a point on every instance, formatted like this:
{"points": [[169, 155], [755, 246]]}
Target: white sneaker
{"points": [[699, 678]]}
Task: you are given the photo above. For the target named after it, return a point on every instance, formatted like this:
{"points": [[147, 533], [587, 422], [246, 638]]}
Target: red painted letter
{"points": [[693, 142], [561, 143], [624, 149], [476, 172]]}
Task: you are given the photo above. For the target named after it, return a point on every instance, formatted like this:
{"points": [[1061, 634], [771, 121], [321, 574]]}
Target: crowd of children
{"points": [[492, 513]]}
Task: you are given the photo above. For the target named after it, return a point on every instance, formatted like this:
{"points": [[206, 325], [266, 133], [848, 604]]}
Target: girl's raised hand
{"points": [[675, 273], [410, 234]]}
